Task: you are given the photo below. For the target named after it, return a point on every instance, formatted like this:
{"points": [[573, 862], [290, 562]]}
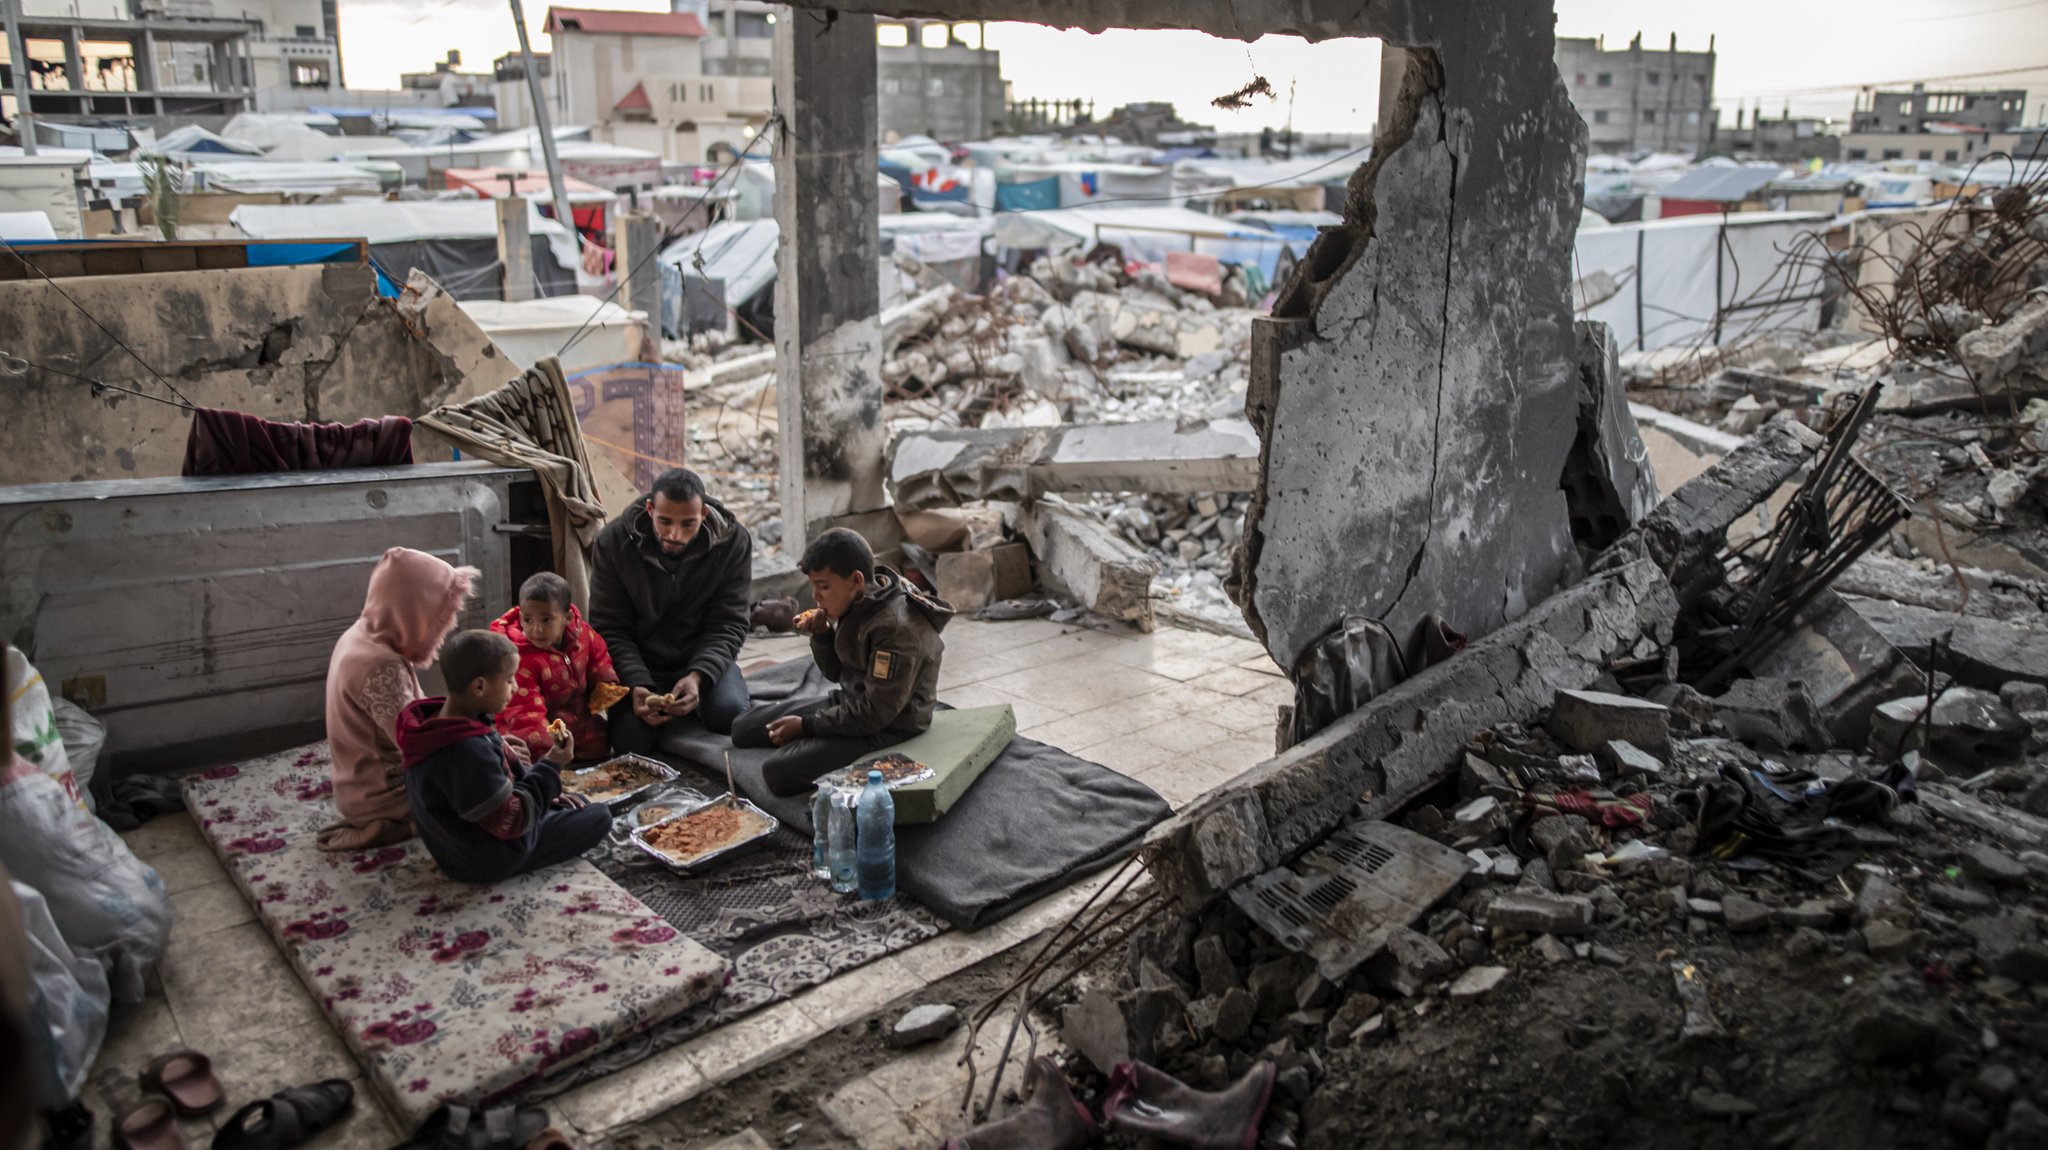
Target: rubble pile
{"points": [[1071, 341], [1192, 538], [1660, 895]]}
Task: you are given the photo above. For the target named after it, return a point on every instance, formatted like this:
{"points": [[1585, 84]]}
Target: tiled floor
{"points": [[1180, 710]]}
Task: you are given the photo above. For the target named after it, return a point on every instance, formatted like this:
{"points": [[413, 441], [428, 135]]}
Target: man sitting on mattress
{"points": [[878, 638], [668, 592]]}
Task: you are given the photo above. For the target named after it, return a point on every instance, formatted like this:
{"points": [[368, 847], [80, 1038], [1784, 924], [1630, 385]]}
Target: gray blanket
{"points": [[1037, 819]]}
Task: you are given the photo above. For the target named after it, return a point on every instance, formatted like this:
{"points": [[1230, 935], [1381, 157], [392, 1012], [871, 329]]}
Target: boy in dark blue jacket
{"points": [[483, 813]]}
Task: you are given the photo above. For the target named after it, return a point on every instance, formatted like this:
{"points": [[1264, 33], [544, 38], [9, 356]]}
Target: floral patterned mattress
{"points": [[444, 991]]}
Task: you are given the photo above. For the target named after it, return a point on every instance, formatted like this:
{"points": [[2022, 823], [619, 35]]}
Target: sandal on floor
{"points": [[286, 1118], [508, 1127], [150, 1124], [186, 1078]]}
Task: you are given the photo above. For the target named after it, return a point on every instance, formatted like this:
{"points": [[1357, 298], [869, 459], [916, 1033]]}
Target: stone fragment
{"points": [[1991, 864], [1774, 713], [1690, 710], [1234, 1015], [1605, 955], [1879, 898], [1478, 777], [1950, 896], [1355, 1012], [1810, 914], [1703, 908], [921, 1024], [1969, 731], [1719, 1104], [1587, 720], [1745, 915], [1202, 1014], [1563, 839], [2024, 698], [1272, 984], [1408, 962], [1624, 759], [1313, 991], [1480, 817], [1886, 941], [1550, 950], [1538, 912], [1884, 1030], [2025, 1125], [1093, 1025], [1213, 967], [1477, 981]]}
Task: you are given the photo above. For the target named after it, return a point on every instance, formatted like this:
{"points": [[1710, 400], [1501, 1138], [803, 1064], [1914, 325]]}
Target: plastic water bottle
{"points": [[839, 842], [821, 825], [877, 839]]}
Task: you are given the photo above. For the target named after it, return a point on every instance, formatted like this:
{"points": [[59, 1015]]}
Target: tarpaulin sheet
{"points": [[1708, 279], [1028, 195], [741, 253]]}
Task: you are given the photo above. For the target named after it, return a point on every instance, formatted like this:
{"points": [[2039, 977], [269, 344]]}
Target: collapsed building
{"points": [[1568, 770]]}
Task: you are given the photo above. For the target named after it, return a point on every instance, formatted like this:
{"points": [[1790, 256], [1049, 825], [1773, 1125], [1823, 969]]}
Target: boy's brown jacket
{"points": [[885, 657]]}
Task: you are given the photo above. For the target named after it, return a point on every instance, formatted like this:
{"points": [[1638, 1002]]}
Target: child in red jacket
{"points": [[560, 659]]}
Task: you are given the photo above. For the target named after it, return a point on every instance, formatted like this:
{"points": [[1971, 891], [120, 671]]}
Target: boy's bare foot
{"points": [[1053, 1119], [1145, 1100]]}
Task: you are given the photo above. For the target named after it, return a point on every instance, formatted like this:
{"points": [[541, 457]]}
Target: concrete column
{"points": [[634, 237], [515, 249], [74, 62], [827, 296]]}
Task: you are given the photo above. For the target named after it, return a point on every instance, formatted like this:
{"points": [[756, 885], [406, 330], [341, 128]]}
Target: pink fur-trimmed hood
{"points": [[414, 602]]}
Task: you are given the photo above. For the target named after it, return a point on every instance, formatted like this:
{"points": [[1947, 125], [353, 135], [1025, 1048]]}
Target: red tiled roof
{"points": [[635, 100], [614, 22]]}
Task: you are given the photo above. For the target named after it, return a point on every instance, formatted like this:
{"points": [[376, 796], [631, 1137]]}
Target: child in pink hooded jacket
{"points": [[413, 604]]}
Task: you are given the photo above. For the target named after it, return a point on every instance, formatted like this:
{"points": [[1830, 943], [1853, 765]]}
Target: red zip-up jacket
{"points": [[555, 684]]}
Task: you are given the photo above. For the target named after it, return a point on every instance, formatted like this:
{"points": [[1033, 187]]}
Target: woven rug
{"points": [[781, 931]]}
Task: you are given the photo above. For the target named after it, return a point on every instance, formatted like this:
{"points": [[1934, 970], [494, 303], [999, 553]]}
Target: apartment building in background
{"points": [[643, 80], [177, 58], [1638, 99]]}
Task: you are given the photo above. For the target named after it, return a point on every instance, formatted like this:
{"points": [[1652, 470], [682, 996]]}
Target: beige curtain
{"points": [[530, 422]]}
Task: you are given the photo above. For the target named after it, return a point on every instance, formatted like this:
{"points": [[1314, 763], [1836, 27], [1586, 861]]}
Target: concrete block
{"points": [[966, 579], [1077, 554], [1586, 721], [1012, 570], [948, 467], [1982, 653], [1540, 912], [1406, 739], [1685, 531]]}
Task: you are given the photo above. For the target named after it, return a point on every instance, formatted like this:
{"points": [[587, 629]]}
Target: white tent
{"points": [[739, 252], [193, 140], [1708, 278], [266, 176]]}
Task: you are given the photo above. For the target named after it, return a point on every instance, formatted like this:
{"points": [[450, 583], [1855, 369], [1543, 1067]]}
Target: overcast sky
{"points": [[1812, 52]]}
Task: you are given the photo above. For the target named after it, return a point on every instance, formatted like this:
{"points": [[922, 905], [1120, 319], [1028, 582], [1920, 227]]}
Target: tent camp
{"points": [[263, 176], [455, 241], [1144, 233]]}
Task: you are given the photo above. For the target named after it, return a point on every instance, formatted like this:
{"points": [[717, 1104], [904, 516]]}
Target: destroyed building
{"points": [[1411, 712]]}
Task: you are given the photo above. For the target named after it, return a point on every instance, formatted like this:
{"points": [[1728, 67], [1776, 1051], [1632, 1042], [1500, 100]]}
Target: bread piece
{"points": [[806, 618], [603, 696], [658, 701], [558, 729]]}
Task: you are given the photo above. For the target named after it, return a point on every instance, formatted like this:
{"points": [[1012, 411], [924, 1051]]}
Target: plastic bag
{"points": [[36, 736], [84, 738], [107, 903], [68, 1004]]}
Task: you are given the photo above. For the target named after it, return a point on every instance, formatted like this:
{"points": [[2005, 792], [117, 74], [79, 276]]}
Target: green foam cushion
{"points": [[958, 746]]}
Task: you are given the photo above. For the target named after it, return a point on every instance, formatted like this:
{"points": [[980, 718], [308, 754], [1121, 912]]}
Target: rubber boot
{"points": [[1053, 1119], [1146, 1100]]}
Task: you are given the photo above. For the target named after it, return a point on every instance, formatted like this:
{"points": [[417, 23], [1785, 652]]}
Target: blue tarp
{"points": [[1028, 195]]}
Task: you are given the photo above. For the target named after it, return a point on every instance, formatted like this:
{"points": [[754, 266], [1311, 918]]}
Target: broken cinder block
{"points": [[1586, 721]]}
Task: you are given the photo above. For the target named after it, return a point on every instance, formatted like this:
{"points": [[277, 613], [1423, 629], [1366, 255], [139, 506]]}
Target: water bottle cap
{"points": [[874, 776]]}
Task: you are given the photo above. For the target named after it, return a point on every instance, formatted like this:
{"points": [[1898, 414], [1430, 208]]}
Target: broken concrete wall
{"points": [[1419, 407], [288, 343]]}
